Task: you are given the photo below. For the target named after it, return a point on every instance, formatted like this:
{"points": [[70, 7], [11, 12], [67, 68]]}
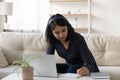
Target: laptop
{"points": [[44, 65]]}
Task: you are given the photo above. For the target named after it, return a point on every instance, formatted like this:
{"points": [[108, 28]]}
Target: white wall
{"points": [[105, 16]]}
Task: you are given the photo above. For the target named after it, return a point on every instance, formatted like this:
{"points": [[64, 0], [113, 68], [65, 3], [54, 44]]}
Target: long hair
{"points": [[59, 20]]}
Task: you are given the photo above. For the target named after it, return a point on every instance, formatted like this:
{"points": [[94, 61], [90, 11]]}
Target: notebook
{"points": [[100, 75], [44, 65]]}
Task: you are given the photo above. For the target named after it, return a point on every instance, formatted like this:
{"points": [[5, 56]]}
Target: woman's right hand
{"points": [[83, 71]]}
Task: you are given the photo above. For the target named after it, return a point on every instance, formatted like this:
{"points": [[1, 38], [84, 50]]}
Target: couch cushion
{"points": [[15, 44], [3, 61], [59, 59], [7, 70], [105, 48]]}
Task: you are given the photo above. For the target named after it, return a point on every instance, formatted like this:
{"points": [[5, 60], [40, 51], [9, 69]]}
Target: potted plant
{"points": [[27, 70]]}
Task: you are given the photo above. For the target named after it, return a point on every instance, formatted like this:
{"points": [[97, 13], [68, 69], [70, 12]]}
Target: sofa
{"points": [[13, 46]]}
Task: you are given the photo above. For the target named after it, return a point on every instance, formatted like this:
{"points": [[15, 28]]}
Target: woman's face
{"points": [[60, 33]]}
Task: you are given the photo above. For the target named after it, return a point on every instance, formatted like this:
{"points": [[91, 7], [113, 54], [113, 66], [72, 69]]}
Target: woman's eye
{"points": [[63, 30], [56, 32]]}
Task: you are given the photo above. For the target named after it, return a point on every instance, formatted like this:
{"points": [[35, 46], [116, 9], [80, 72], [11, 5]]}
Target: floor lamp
{"points": [[5, 10]]}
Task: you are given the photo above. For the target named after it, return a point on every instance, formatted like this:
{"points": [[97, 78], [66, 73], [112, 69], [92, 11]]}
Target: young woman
{"points": [[69, 45]]}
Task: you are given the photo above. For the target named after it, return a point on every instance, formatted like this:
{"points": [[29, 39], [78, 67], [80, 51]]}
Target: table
{"points": [[17, 76]]}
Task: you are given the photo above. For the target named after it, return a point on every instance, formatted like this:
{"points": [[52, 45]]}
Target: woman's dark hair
{"points": [[59, 20]]}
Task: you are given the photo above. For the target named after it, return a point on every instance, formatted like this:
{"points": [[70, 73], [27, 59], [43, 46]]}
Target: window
{"points": [[24, 17]]}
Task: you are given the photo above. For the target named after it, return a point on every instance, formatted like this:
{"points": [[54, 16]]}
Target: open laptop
{"points": [[44, 65]]}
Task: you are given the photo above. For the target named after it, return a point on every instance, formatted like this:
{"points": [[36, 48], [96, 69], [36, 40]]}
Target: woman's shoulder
{"points": [[77, 35], [78, 38]]}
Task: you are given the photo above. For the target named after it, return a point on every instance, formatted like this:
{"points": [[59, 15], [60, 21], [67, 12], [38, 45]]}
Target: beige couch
{"points": [[105, 48]]}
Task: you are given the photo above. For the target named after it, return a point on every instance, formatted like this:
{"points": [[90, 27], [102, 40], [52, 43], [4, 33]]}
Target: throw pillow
{"points": [[3, 61]]}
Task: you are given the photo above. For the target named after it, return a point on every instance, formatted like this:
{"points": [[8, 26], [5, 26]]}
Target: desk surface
{"points": [[17, 76]]}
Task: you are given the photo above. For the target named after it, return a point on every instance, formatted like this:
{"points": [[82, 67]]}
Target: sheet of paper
{"points": [[73, 75]]}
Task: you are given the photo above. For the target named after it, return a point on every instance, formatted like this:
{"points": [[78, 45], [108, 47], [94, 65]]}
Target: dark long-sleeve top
{"points": [[77, 53]]}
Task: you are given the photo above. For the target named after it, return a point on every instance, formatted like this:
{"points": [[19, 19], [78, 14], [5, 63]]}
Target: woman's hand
{"points": [[83, 71]]}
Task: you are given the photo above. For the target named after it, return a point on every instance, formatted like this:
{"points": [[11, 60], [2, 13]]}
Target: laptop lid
{"points": [[44, 65]]}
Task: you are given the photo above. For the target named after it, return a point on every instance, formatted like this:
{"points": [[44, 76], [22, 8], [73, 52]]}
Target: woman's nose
{"points": [[61, 34]]}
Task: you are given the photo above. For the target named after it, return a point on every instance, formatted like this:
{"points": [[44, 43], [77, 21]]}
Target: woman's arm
{"points": [[50, 50], [87, 56]]}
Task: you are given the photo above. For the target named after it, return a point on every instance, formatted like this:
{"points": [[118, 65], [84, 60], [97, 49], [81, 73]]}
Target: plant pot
{"points": [[27, 73]]}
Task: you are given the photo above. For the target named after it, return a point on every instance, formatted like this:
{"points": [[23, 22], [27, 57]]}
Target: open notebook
{"points": [[44, 65], [70, 75]]}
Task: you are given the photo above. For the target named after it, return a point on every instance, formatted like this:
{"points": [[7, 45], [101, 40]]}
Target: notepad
{"points": [[70, 75]]}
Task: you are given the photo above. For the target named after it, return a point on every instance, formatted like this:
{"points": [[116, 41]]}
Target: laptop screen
{"points": [[44, 65]]}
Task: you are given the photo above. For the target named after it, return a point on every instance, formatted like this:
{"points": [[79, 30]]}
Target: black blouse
{"points": [[77, 53]]}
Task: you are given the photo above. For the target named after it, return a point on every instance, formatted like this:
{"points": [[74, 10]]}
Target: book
{"points": [[99, 75]]}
